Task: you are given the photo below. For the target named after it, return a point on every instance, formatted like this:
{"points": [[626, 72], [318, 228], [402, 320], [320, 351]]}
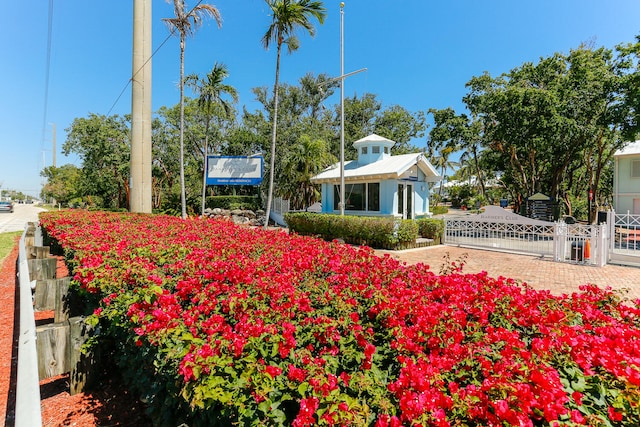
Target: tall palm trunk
{"points": [[204, 167], [183, 197], [272, 161]]}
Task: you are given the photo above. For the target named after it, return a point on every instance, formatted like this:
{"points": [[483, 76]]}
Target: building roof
{"points": [[539, 197], [373, 138], [631, 148], [390, 168]]}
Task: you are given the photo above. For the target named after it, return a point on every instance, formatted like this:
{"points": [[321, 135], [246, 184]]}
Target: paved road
{"points": [[16, 221]]}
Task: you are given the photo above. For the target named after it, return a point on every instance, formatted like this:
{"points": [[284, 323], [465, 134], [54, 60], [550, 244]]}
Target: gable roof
{"points": [[539, 196], [390, 168], [631, 148]]}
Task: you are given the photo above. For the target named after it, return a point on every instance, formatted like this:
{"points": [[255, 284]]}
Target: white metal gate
{"points": [[624, 244], [501, 230]]}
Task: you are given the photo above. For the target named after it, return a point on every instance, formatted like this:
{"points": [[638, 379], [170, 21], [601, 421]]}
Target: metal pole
{"points": [[53, 161], [342, 192]]}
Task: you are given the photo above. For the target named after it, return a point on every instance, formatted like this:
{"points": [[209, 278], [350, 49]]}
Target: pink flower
{"points": [[273, 371], [614, 415]]}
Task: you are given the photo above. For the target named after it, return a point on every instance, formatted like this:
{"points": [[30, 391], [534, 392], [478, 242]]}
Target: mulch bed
{"points": [[111, 404]]}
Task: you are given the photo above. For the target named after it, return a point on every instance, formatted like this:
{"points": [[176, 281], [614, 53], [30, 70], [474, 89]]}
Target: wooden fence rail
{"points": [[49, 349]]}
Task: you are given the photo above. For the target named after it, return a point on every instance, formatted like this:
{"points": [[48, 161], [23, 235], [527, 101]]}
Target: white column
{"points": [[141, 157]]}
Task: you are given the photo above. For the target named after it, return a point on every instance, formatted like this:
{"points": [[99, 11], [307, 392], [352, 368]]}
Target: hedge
{"points": [[377, 232]]}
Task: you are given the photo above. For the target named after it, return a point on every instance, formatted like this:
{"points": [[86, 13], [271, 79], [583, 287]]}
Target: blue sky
{"points": [[419, 54]]}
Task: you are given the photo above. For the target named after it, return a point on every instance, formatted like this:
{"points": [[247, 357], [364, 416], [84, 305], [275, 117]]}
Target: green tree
{"points": [[305, 159], [400, 125], [301, 112], [359, 121], [63, 183], [211, 91], [167, 137], [103, 145], [185, 23], [451, 133], [165, 172], [628, 70], [365, 115], [551, 121], [287, 17]]}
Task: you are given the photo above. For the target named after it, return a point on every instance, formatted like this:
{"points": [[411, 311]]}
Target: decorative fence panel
{"points": [[624, 244], [501, 230]]}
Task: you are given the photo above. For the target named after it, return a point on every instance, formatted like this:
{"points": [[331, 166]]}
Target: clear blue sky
{"points": [[419, 55]]}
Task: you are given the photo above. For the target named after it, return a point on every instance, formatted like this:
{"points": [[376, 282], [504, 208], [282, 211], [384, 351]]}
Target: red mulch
{"points": [[111, 404]]}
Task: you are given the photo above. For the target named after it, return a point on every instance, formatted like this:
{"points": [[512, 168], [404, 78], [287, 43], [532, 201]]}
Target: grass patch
{"points": [[7, 242]]}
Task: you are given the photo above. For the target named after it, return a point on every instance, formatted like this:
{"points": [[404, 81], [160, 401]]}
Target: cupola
{"points": [[373, 148]]}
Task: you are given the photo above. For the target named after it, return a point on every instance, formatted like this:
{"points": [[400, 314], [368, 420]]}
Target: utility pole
{"points": [[141, 157], [53, 143]]}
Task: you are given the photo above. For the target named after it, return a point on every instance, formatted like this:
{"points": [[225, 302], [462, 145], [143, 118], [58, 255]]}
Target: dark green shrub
{"points": [[431, 228], [377, 232], [461, 195], [407, 231]]}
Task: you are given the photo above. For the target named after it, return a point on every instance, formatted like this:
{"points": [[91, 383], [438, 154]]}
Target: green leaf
{"points": [[302, 388]]}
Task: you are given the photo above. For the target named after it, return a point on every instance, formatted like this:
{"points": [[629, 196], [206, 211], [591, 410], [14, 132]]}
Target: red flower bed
{"points": [[217, 322]]}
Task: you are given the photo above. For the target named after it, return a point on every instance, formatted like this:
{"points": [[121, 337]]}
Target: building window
{"points": [[386, 150], [373, 197], [375, 149], [635, 169], [359, 197], [363, 150]]}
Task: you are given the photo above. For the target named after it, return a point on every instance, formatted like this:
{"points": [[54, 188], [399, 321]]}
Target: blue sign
{"points": [[234, 170]]}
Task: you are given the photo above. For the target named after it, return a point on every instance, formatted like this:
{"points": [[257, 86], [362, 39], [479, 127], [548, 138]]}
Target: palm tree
{"points": [[287, 16], [185, 23], [210, 91], [305, 159], [443, 162]]}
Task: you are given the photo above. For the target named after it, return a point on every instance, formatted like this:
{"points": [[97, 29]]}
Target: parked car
{"points": [[6, 207]]}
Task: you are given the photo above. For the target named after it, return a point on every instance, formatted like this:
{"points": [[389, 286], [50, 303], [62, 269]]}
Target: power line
{"points": [[139, 69], [173, 30]]}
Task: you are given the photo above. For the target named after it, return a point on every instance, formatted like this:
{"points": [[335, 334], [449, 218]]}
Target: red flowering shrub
{"points": [[220, 323]]}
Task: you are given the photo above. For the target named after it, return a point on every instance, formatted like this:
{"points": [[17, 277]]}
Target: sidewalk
{"points": [[540, 273]]}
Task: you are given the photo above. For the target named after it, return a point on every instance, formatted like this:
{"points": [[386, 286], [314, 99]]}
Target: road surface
{"points": [[22, 214]]}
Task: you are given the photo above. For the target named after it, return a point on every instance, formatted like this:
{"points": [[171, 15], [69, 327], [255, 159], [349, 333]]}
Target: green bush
{"points": [[407, 231], [439, 210], [234, 202], [431, 228], [461, 195], [377, 232]]}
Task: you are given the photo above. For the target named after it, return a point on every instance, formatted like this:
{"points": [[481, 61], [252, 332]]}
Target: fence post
{"points": [[82, 364], [611, 224], [444, 233], [559, 241], [603, 252], [52, 345]]}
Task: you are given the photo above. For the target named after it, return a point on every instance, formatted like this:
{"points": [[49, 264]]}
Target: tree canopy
{"points": [[550, 126]]}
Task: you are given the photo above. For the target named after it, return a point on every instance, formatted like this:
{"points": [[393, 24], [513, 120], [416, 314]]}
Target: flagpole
{"points": [[342, 192]]}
